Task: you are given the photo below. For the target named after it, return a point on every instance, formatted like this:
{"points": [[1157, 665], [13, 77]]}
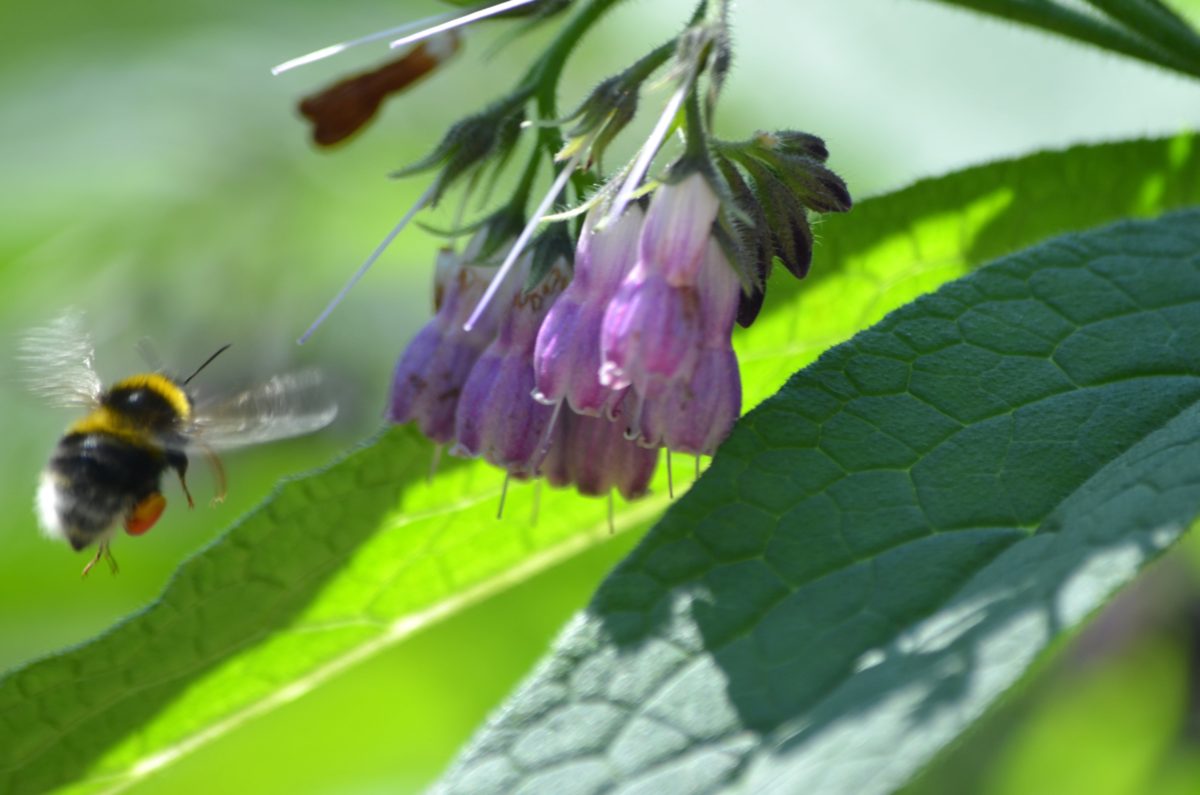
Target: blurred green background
{"points": [[156, 176]]}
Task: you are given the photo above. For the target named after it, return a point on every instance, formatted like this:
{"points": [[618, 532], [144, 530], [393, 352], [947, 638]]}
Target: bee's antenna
{"points": [[208, 361]]}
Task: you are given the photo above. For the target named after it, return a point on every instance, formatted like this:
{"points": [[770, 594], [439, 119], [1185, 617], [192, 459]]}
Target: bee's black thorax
{"points": [[145, 406]]}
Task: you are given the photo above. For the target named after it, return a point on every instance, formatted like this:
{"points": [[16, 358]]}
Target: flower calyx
{"points": [[775, 182], [471, 142], [610, 107]]}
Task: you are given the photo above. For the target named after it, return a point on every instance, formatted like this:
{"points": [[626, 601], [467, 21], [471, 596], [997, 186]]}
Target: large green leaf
{"points": [[883, 547], [337, 566], [1144, 29], [890, 249], [332, 568]]}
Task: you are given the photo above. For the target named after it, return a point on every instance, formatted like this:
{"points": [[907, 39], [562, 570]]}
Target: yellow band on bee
{"points": [[168, 389], [111, 423]]}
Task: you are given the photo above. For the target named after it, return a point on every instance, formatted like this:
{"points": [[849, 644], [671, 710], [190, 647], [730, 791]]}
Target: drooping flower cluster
{"points": [[581, 368], [584, 377], [645, 325], [567, 359], [474, 389]]}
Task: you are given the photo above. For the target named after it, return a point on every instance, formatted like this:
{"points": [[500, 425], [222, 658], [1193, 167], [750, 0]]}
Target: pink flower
{"points": [[652, 328], [695, 414], [599, 458], [567, 355], [677, 227], [431, 372], [651, 332], [497, 416]]}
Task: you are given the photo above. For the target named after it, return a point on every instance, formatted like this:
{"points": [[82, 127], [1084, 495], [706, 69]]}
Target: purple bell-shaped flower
{"points": [[651, 332], [567, 356], [695, 414], [599, 458], [497, 416], [430, 374], [677, 228], [652, 328]]}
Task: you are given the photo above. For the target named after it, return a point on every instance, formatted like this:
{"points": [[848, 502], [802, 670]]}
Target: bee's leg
{"points": [[218, 471], [109, 559], [95, 559], [178, 461], [102, 551]]}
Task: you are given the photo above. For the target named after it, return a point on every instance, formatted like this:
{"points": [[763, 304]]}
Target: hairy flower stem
{"points": [[696, 142], [547, 70]]}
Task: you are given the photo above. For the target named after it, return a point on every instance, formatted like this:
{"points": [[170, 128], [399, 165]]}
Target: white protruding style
{"points": [[649, 150], [334, 49], [458, 22], [526, 233], [376, 254]]}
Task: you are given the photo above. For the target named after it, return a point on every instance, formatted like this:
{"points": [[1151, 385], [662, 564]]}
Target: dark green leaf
{"points": [[884, 547]]}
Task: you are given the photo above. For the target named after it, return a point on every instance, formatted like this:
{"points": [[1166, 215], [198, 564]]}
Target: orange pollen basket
{"points": [[145, 514]]}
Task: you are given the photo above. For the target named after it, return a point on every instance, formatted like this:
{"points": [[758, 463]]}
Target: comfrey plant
{"points": [[574, 346], [977, 425]]}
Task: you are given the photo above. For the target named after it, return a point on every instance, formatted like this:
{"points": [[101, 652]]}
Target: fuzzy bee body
{"points": [[112, 461], [106, 471]]}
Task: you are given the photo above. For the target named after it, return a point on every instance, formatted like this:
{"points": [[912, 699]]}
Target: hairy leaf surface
{"points": [[884, 546]]}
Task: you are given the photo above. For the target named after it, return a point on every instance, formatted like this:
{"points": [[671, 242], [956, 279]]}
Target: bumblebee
{"points": [[106, 471]]}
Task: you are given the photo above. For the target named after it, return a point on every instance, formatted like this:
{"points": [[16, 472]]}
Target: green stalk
{"points": [[546, 71], [649, 63], [696, 137]]}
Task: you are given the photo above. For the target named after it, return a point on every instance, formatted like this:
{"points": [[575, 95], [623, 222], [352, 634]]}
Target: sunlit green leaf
{"points": [[891, 249], [332, 568], [884, 547]]}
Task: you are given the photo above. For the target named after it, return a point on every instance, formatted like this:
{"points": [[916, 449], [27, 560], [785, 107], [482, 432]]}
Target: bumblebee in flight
{"points": [[106, 471]]}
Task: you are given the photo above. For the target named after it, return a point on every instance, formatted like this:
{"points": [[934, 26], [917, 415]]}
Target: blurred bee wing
{"points": [[58, 362], [287, 405]]}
